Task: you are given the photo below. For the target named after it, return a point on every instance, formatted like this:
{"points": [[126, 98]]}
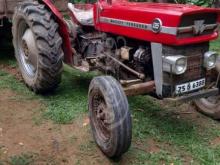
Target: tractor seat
{"points": [[84, 17]]}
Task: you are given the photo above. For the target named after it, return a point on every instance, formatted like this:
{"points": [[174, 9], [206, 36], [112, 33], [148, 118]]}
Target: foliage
{"points": [[78, 1], [206, 3], [196, 2], [83, 1]]}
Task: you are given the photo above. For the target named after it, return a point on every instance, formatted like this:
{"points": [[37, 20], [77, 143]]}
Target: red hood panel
{"points": [[126, 18]]}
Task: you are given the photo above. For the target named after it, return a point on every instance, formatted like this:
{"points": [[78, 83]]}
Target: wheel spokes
{"points": [[102, 118]]}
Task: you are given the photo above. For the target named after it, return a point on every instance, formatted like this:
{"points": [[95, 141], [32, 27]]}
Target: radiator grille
{"points": [[194, 54], [194, 69], [188, 23]]}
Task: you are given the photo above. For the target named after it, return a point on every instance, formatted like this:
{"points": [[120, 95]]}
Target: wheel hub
{"points": [[102, 119], [25, 49], [28, 53]]}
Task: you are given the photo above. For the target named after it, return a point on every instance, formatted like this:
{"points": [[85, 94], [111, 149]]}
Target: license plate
{"points": [[190, 86]]}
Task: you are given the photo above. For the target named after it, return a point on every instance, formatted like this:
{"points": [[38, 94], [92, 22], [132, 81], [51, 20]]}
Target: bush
{"points": [[207, 3], [197, 2]]}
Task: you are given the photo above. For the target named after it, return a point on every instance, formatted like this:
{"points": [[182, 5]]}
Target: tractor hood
{"points": [[173, 24]]}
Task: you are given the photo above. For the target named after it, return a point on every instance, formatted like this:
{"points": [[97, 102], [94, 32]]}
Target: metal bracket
{"points": [[195, 95], [156, 49]]}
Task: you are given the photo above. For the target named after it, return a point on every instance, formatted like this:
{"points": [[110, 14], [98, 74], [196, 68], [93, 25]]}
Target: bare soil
{"points": [[11, 70], [22, 130], [215, 142]]}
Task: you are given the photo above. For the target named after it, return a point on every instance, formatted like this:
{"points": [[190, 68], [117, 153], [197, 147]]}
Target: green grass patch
{"points": [[182, 135], [70, 99], [161, 157], [23, 159], [215, 45]]}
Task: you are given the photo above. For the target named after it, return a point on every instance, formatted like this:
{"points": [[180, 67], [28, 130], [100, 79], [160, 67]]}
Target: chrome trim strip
{"points": [[125, 23], [137, 25], [156, 49], [185, 29], [190, 28], [211, 26], [169, 30]]}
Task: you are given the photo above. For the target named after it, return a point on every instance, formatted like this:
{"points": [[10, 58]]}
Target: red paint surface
{"points": [[170, 14]]}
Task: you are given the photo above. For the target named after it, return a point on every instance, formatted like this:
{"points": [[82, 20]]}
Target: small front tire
{"points": [[109, 116]]}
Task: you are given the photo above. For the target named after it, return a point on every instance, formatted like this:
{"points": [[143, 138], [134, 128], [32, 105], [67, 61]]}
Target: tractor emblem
{"points": [[156, 25], [198, 27]]}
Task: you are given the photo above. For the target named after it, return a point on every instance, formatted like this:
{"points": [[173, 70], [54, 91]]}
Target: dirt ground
{"points": [[24, 131], [47, 142]]}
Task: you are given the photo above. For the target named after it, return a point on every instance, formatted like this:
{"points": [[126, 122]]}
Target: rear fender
{"points": [[63, 31]]}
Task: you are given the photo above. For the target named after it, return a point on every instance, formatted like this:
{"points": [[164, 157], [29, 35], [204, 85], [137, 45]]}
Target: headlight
{"points": [[175, 64], [210, 60]]}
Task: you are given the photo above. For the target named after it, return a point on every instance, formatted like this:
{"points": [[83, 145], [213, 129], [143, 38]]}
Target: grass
{"points": [[185, 137], [180, 139], [23, 159], [215, 46], [70, 99]]}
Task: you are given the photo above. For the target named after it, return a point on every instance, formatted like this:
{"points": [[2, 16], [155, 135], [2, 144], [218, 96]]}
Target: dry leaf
{"points": [[21, 144], [86, 122]]}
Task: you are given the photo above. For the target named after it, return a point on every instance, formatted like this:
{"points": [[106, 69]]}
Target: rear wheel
{"points": [[37, 46], [109, 116]]}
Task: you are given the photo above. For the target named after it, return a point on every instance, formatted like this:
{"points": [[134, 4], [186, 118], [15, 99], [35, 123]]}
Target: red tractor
{"points": [[141, 48]]}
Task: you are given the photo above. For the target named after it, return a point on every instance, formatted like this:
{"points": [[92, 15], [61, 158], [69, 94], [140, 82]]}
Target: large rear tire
{"points": [[37, 45], [109, 116]]}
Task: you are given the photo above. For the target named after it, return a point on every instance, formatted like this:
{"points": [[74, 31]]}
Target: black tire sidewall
{"points": [[119, 142]]}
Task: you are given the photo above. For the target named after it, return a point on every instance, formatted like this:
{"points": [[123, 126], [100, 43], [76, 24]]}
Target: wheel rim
{"points": [[27, 50], [101, 117]]}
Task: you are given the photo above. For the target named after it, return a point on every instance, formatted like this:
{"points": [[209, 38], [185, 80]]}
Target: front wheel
{"points": [[209, 106], [109, 116]]}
